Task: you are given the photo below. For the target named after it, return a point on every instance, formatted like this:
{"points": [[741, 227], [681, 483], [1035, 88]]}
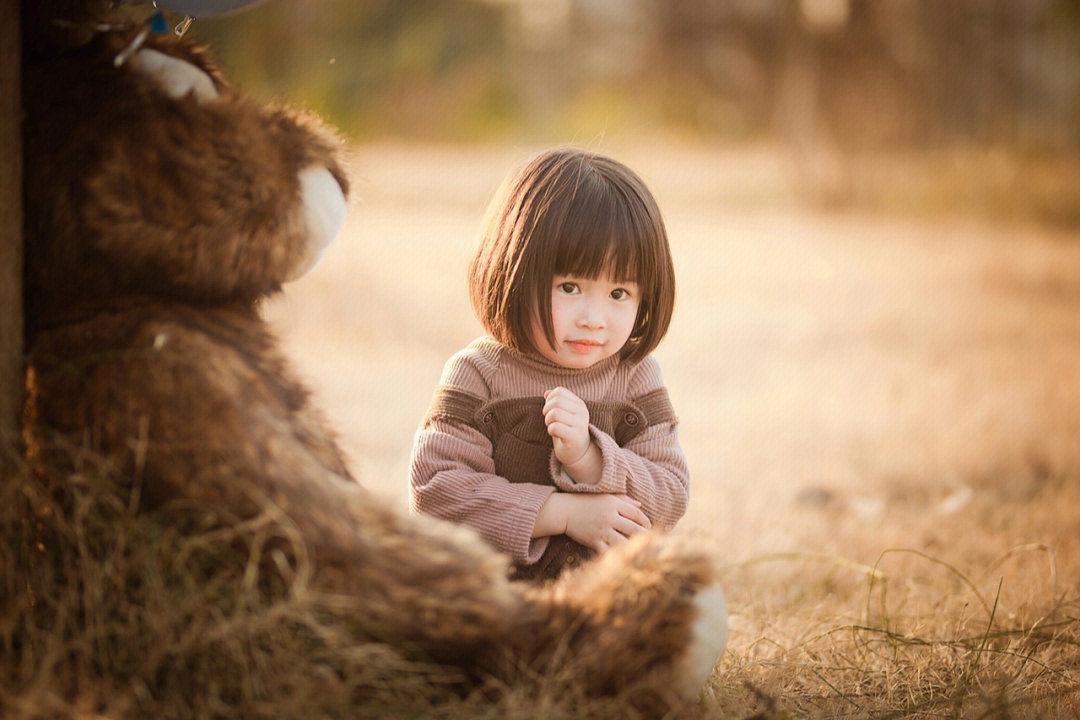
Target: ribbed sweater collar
{"points": [[537, 363]]}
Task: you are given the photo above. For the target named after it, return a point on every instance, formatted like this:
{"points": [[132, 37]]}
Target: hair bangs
{"points": [[601, 234]]}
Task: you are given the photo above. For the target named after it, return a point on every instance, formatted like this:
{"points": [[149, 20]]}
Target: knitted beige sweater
{"points": [[487, 412]]}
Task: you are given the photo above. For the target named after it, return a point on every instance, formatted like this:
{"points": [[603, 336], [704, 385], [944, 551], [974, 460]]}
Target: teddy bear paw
{"points": [[708, 638]]}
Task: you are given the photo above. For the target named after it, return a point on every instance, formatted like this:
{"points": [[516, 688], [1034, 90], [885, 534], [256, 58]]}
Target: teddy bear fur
{"points": [[159, 212]]}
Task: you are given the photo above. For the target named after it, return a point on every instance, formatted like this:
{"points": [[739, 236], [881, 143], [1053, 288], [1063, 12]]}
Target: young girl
{"points": [[554, 436]]}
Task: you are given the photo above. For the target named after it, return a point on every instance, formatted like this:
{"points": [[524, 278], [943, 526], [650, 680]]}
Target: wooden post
{"points": [[11, 226]]}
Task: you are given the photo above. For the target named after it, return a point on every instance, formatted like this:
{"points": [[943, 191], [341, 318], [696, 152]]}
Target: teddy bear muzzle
{"points": [[324, 209]]}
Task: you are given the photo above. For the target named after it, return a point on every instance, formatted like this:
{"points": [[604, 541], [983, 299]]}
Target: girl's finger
{"points": [[557, 403], [559, 430], [615, 538], [628, 528], [562, 396], [562, 416], [635, 515], [557, 390]]}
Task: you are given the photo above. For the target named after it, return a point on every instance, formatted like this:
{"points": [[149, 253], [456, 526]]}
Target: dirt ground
{"points": [[860, 394]]}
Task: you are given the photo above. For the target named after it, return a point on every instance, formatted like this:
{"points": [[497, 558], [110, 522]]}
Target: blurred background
{"points": [[873, 208], [832, 80], [855, 73], [902, 104]]}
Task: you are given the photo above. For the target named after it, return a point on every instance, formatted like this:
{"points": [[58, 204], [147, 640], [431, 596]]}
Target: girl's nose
{"points": [[591, 316]]}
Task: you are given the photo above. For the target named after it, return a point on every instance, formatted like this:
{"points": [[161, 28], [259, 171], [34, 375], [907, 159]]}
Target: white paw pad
{"points": [[708, 638]]}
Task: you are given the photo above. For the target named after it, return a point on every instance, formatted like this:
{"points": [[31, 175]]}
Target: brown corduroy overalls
{"points": [[521, 448]]}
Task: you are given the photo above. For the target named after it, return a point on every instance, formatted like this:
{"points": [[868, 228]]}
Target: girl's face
{"points": [[592, 319]]}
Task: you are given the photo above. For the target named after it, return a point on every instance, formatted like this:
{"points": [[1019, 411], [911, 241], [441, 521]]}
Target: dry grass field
{"points": [[881, 413]]}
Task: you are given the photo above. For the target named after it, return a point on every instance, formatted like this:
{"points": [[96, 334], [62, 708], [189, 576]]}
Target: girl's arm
{"points": [[595, 521], [650, 469], [452, 477]]}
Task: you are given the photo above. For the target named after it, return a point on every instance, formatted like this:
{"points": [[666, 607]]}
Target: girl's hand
{"points": [[602, 521], [567, 421]]}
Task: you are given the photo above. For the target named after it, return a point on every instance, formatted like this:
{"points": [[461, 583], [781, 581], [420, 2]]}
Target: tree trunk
{"points": [[11, 225]]}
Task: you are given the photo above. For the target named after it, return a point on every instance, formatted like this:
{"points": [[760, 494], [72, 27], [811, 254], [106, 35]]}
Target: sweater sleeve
{"points": [[452, 477], [651, 468]]}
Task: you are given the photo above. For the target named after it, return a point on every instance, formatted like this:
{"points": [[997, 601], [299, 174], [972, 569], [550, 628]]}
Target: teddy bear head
{"points": [[148, 173]]}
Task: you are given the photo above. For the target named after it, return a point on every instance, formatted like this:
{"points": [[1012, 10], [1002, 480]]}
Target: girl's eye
{"points": [[568, 287], [620, 293]]}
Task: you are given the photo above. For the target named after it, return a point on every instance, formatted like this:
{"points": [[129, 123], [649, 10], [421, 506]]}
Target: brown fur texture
{"points": [[154, 225]]}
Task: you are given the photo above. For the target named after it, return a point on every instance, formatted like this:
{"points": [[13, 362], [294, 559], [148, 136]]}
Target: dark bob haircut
{"points": [[570, 212]]}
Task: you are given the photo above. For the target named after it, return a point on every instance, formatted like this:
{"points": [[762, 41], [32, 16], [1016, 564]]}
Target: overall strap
{"points": [[652, 408], [453, 406], [656, 406]]}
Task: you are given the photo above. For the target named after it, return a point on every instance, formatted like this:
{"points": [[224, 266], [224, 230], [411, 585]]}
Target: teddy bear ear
{"points": [[177, 78], [206, 8]]}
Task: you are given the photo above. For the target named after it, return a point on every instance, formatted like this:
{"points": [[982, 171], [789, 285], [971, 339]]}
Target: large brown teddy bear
{"points": [[161, 206]]}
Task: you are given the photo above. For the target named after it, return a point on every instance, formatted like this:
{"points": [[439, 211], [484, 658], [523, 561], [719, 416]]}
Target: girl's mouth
{"points": [[582, 346]]}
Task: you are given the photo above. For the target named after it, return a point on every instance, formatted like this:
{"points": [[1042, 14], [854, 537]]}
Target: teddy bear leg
{"points": [[648, 617], [408, 581]]}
